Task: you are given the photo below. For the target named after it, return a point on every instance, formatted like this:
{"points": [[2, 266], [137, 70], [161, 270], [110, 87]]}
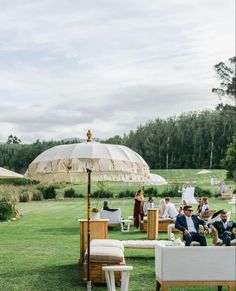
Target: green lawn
{"points": [[40, 251]]}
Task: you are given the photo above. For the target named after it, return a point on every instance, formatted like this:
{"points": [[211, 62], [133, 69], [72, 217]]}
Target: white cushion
{"points": [[107, 243], [144, 244], [105, 255]]}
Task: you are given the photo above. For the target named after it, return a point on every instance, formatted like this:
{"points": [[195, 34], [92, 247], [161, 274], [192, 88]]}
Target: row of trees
{"points": [[192, 140]]}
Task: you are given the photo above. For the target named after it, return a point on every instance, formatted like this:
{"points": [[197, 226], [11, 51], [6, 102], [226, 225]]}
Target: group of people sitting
{"points": [[185, 220]]}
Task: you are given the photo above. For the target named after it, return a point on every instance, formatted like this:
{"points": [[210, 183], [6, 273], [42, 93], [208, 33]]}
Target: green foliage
{"points": [[171, 191], [37, 196], [193, 140], [18, 182], [227, 77], [126, 194], [102, 194], [70, 193], [6, 209], [151, 191], [48, 192], [24, 197], [229, 162], [200, 192]]}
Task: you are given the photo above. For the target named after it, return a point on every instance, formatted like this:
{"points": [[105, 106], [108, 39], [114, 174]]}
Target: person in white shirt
{"points": [[189, 225], [170, 210], [205, 206], [148, 205]]}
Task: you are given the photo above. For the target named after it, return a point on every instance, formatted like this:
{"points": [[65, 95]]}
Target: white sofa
{"points": [[113, 216], [193, 266]]}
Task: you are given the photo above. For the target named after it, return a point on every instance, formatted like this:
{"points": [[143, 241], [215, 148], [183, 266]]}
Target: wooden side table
{"points": [[152, 224], [98, 230]]}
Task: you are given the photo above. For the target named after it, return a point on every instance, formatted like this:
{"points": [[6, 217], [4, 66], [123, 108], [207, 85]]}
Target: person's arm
{"points": [[179, 226]]}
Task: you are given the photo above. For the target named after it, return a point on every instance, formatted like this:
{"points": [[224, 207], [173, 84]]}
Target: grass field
{"points": [[40, 251]]}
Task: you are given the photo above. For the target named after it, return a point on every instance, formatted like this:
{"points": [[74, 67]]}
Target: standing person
{"points": [[189, 225], [138, 208], [224, 228]]}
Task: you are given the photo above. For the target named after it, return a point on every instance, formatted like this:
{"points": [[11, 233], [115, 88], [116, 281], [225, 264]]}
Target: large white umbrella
{"points": [[7, 174], [71, 162], [155, 179], [203, 172]]}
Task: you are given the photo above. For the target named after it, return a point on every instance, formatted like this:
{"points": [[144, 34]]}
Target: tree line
{"points": [[192, 140]]}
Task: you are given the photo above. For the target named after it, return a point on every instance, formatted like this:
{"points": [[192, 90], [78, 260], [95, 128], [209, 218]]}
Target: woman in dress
{"points": [[138, 208]]}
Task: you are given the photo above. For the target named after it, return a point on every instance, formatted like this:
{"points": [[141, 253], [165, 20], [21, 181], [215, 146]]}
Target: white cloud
{"points": [[66, 66]]}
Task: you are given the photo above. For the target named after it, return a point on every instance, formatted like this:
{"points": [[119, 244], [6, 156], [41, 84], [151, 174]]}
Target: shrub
{"points": [[125, 194], [18, 182], [7, 209], [200, 192], [37, 196], [170, 191], [102, 194], [24, 197], [151, 191], [48, 192], [70, 193]]}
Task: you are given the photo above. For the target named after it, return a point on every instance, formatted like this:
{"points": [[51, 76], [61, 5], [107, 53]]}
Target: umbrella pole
{"points": [[89, 284]]}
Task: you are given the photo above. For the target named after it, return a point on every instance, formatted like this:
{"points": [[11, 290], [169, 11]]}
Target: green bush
{"points": [[6, 209], [170, 191], [200, 192], [18, 182], [151, 191], [37, 196], [126, 194], [48, 192], [102, 194], [24, 197], [70, 193]]}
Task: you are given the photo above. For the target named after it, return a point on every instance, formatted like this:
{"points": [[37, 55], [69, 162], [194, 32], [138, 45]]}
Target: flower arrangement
{"points": [[95, 210]]}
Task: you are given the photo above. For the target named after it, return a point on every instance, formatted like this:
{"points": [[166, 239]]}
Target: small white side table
{"points": [[123, 222], [110, 277]]}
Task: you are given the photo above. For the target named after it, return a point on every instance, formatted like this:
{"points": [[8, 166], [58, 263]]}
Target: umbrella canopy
{"points": [[7, 174], [69, 163], [155, 179], [202, 172]]}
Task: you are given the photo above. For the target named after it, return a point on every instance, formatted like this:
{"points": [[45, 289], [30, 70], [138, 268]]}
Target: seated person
{"points": [[161, 208], [181, 208], [205, 206], [199, 207], [106, 207], [224, 228], [189, 223], [170, 210], [148, 205]]}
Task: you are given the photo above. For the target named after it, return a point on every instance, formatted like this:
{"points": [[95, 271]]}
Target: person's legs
{"points": [[226, 237], [199, 237], [188, 240]]}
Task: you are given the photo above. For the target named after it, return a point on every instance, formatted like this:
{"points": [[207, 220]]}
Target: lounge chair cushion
{"points": [[107, 243], [99, 254]]}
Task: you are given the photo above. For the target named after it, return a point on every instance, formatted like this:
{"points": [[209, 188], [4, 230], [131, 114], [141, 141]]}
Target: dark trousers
{"points": [[226, 237], [195, 236]]}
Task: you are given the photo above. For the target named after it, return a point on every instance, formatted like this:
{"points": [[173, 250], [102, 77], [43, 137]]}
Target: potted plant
{"points": [[95, 214]]}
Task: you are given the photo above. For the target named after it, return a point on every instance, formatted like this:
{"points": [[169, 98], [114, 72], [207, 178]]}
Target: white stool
{"points": [[123, 222], [110, 277]]}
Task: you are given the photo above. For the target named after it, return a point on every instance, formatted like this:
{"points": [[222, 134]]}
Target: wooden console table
{"points": [[98, 230], [152, 224]]}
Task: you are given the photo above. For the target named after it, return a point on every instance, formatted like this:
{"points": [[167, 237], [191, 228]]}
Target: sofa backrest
{"points": [[195, 263], [113, 216]]}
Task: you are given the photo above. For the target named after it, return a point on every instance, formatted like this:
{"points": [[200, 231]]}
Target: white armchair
{"points": [[113, 216]]}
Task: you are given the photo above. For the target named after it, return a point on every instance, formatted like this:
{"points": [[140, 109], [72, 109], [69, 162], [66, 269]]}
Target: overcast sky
{"points": [[107, 65]]}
